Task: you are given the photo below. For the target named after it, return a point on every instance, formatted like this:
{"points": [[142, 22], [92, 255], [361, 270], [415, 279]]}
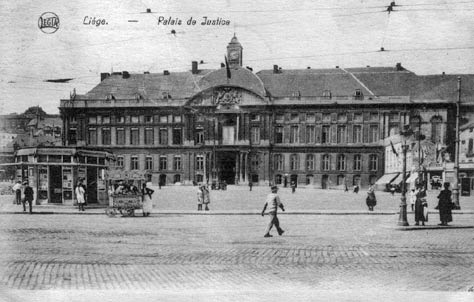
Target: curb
{"points": [[433, 227]]}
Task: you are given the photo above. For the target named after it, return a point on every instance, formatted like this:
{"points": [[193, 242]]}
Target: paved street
{"points": [[225, 253]]}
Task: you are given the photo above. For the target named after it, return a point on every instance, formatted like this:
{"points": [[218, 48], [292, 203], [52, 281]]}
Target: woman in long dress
{"points": [[371, 201], [445, 205], [420, 205], [206, 197], [147, 202], [200, 197]]}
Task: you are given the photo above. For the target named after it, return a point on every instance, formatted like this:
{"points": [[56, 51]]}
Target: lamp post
{"points": [[456, 152], [402, 219]]}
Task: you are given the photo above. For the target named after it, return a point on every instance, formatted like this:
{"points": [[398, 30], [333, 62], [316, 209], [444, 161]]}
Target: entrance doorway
{"points": [[324, 182], [226, 166], [55, 184], [162, 180], [91, 191]]}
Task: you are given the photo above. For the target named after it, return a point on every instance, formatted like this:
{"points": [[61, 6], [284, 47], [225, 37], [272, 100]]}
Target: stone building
{"points": [[318, 127]]}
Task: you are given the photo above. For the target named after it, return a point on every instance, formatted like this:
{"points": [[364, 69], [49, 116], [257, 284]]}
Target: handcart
{"points": [[125, 194]]}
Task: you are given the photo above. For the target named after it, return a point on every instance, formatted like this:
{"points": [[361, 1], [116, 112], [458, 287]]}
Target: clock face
{"points": [[234, 55]]}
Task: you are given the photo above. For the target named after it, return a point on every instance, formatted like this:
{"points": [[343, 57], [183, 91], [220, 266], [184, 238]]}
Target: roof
{"points": [[178, 85], [240, 77], [46, 122]]}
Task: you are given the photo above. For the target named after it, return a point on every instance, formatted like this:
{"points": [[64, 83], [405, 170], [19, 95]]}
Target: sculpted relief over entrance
{"points": [[227, 96]]}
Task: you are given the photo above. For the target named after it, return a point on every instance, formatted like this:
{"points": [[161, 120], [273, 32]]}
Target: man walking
{"points": [[273, 202], [28, 197], [17, 190]]}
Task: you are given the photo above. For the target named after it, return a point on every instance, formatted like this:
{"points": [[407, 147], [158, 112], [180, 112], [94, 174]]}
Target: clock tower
{"points": [[234, 53]]}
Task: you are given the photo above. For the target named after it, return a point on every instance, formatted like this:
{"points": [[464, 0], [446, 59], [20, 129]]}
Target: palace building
{"points": [[317, 127]]}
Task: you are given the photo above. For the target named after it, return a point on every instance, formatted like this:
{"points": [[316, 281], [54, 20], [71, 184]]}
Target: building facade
{"points": [[318, 127]]}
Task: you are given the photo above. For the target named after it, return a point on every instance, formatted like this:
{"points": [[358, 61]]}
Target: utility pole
{"points": [[456, 152]]}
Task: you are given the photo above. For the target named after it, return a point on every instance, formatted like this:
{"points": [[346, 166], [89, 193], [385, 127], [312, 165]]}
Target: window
{"points": [[134, 163], [293, 134], [278, 162], [357, 134], [358, 117], [163, 118], [357, 162], [177, 178], [120, 119], [119, 161], [177, 118], [327, 94], [358, 95], [325, 134], [92, 136], [310, 134], [200, 162], [341, 162], [341, 134], [310, 117], [120, 136], [106, 138], [163, 136], [278, 179], [309, 162], [280, 118], [177, 136], [177, 163], [373, 133], [149, 140], [148, 119], [134, 119], [326, 162], [278, 135], [374, 117], [106, 119], [341, 117], [294, 162], [255, 135], [294, 117], [341, 179], [72, 136], [373, 162], [134, 136], [163, 162], [199, 136], [148, 163], [92, 119], [254, 162]]}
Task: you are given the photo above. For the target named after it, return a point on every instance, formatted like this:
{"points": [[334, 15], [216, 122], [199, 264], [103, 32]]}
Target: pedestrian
{"points": [[273, 202], [346, 189], [445, 205], [356, 189], [371, 201], [80, 196], [420, 205], [250, 185], [206, 197], [29, 196], [17, 190], [412, 199], [147, 201], [293, 186], [200, 197]]}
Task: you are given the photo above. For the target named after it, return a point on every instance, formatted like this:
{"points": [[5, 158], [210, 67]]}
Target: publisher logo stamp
{"points": [[48, 23]]}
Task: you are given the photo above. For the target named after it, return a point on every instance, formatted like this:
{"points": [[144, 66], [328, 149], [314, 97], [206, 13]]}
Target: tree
{"points": [[35, 110]]}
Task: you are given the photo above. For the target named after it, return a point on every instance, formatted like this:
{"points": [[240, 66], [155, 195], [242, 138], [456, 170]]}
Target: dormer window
{"points": [[327, 94], [296, 95], [110, 97], [358, 95], [166, 95]]}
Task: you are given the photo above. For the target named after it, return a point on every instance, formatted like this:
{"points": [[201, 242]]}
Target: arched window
{"points": [[326, 162], [310, 162], [278, 162], [436, 123], [341, 162], [294, 162]]}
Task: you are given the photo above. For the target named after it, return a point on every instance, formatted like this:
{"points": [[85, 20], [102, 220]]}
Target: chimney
{"points": [[222, 65], [148, 10], [146, 72], [166, 72], [444, 73], [194, 67], [337, 66], [275, 68], [104, 75], [309, 67], [125, 75], [399, 67], [249, 68]]}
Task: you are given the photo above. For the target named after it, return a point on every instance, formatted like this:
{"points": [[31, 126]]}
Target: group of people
{"points": [[419, 204], [24, 194], [203, 197]]}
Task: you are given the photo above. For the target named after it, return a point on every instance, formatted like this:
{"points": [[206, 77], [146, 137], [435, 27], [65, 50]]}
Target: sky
{"points": [[426, 36]]}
